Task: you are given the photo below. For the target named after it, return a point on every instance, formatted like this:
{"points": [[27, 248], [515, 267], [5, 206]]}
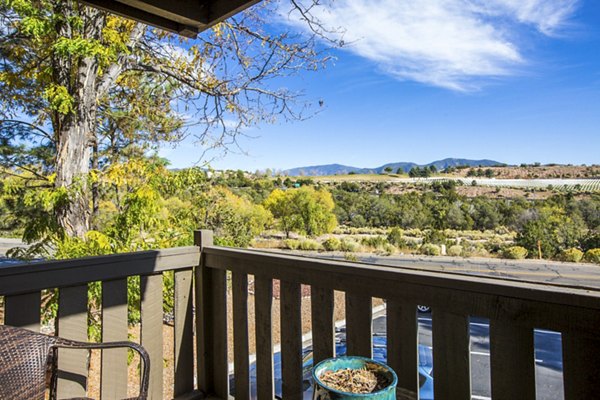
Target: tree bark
{"points": [[76, 129]]}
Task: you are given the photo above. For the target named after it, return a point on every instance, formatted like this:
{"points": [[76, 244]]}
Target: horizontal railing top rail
{"points": [[533, 304], [28, 277]]}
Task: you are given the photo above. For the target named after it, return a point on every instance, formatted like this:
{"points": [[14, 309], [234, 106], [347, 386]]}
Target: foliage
{"points": [[374, 241], [571, 255], [347, 245], [351, 257], [593, 256], [107, 89], [455, 250], [514, 252], [292, 244], [306, 210], [331, 244], [551, 230], [435, 237], [309, 245], [395, 237], [430, 249], [591, 240]]}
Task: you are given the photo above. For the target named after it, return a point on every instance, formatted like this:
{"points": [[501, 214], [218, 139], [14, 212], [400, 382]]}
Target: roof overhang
{"points": [[184, 17]]}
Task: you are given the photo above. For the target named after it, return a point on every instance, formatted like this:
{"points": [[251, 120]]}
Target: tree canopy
{"points": [[81, 89], [305, 210]]}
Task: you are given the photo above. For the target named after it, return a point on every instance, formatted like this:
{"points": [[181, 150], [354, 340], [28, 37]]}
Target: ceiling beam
{"points": [[220, 10], [184, 17], [147, 17]]}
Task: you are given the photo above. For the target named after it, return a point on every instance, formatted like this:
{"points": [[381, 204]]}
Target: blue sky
{"points": [[510, 80]]}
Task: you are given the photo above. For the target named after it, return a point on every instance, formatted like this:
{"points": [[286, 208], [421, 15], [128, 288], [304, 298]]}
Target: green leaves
{"points": [[83, 47], [304, 210], [59, 99]]}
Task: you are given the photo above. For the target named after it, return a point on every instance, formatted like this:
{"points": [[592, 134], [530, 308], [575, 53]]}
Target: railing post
{"points": [[211, 323], [204, 357]]}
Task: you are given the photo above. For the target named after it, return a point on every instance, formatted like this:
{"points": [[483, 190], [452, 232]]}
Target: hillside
{"points": [[339, 169]]}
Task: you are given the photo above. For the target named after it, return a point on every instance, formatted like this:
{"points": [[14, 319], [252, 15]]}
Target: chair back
{"points": [[24, 360]]}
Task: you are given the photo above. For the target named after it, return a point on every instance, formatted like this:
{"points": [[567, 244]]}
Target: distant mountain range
{"points": [[338, 169]]}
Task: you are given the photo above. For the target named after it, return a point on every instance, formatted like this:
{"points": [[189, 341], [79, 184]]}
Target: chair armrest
{"points": [[72, 344]]}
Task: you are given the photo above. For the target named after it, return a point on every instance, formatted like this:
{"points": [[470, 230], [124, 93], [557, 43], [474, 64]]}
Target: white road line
{"points": [[479, 353], [476, 397]]}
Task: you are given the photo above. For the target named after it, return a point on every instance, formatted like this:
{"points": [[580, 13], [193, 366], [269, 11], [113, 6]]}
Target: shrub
{"points": [[388, 249], [309, 245], [571, 255], [593, 255], [349, 246], [350, 257], [412, 244], [435, 237], [591, 241], [494, 245], [514, 252], [395, 237], [331, 244], [455, 250], [430, 249], [291, 244], [374, 241]]}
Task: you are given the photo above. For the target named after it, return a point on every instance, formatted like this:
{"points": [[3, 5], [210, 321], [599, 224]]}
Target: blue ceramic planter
{"points": [[323, 392]]}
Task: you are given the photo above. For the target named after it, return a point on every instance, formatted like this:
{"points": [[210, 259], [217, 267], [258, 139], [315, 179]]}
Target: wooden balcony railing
{"points": [[514, 309], [21, 286]]}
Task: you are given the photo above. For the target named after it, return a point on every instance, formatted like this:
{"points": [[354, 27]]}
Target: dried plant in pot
{"points": [[353, 377]]}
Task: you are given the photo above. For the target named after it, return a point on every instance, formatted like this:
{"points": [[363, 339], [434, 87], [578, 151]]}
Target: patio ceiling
{"points": [[185, 17]]}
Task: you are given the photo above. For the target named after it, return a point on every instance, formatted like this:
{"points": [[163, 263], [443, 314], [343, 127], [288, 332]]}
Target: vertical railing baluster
{"points": [[151, 308], [72, 324], [291, 340], [451, 356], [512, 361], [359, 325], [184, 334], [23, 310], [263, 304], [581, 365], [402, 343], [240, 335], [322, 323], [114, 329]]}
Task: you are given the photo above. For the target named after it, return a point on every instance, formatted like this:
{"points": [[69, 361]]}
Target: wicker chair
{"points": [[26, 359]]}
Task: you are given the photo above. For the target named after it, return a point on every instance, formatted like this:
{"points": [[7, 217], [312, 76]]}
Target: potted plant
{"points": [[353, 377]]}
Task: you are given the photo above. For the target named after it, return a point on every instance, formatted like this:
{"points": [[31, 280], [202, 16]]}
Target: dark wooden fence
{"points": [[514, 309]]}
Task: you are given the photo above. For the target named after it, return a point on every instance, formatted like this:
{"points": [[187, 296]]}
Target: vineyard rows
{"points": [[568, 185]]}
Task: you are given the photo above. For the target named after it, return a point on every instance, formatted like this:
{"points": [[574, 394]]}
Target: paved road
{"points": [[9, 243], [548, 358], [538, 271]]}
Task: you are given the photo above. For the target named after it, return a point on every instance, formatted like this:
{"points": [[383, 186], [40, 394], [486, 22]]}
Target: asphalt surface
{"points": [[548, 357], [537, 271]]}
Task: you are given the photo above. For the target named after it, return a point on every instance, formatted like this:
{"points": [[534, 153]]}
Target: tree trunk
{"points": [[76, 129]]}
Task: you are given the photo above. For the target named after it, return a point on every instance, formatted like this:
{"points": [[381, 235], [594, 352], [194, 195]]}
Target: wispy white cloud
{"points": [[455, 44]]}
